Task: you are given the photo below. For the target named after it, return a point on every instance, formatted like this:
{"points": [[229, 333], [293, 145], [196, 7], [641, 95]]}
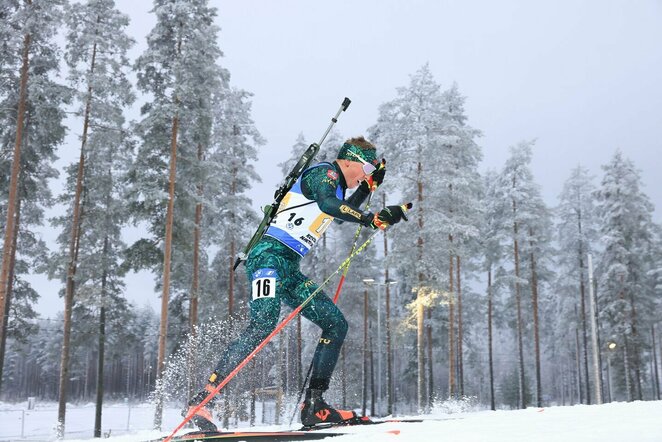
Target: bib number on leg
{"points": [[264, 284]]}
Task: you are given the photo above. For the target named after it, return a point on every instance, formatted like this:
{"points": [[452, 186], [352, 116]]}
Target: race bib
{"points": [[264, 284]]}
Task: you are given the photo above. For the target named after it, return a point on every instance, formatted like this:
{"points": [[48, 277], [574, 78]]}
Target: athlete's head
{"points": [[357, 159]]}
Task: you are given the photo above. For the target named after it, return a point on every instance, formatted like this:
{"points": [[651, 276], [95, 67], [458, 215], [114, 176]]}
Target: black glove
{"points": [[390, 215], [375, 180], [377, 177]]}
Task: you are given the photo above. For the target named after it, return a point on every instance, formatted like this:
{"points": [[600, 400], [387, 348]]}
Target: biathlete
{"points": [[272, 267]]}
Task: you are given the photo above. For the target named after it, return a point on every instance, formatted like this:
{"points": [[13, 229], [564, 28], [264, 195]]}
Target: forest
{"points": [[489, 294]]}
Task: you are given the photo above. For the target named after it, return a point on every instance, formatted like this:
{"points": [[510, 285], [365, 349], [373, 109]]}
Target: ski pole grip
{"points": [[405, 208]]}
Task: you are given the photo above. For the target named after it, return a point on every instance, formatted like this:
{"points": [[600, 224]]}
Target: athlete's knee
{"points": [[336, 331]]}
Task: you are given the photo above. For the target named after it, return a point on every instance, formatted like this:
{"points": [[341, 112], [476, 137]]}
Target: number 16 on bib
{"points": [[264, 284]]}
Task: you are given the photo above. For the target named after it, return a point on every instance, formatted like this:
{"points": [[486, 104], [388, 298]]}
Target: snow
{"points": [[619, 421]]}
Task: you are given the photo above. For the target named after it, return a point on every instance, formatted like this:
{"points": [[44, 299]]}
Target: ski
{"points": [[357, 421], [304, 433], [257, 436]]}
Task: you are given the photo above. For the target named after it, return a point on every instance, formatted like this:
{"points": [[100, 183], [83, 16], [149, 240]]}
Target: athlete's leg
{"points": [[264, 270], [326, 315]]}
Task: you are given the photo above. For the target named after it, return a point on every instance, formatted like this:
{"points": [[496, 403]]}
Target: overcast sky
{"points": [[582, 77]]}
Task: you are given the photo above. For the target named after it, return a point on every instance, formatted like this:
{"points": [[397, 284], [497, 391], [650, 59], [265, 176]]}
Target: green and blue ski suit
{"points": [[317, 198]]}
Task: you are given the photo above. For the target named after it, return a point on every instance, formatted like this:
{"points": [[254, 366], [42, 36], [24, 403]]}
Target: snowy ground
{"points": [[636, 421]]}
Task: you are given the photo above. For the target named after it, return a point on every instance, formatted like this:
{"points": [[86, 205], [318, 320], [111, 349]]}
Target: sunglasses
{"points": [[368, 168]]}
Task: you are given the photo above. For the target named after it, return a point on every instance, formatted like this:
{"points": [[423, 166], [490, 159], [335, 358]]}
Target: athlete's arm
{"points": [[359, 195], [320, 184]]}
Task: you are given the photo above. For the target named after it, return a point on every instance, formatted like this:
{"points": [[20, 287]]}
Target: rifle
{"points": [[271, 210]]}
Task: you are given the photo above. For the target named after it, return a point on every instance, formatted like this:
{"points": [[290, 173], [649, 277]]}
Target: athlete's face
{"points": [[353, 173]]}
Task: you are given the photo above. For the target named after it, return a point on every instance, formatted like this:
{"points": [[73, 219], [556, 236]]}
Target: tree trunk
{"points": [[578, 366], [626, 369], [102, 343], [7, 249], [656, 375], [635, 347], [231, 279], [536, 326], [73, 255], [451, 329], [195, 284], [460, 333], [420, 345], [489, 337], [389, 352], [420, 310], [582, 305], [167, 256], [10, 287], [518, 302], [233, 192], [371, 353], [430, 365]]}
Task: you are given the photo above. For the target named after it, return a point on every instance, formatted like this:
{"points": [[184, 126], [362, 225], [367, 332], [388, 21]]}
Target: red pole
{"points": [[276, 330], [344, 273]]}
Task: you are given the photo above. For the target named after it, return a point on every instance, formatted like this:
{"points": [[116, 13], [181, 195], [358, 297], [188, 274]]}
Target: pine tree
{"points": [[493, 252], [626, 300], [31, 97], [529, 223], [235, 143], [96, 54], [577, 237], [180, 72], [425, 132], [457, 193], [410, 129]]}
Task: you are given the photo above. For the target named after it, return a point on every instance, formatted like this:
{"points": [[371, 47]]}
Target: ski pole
{"points": [[356, 240], [303, 163], [266, 340], [335, 301]]}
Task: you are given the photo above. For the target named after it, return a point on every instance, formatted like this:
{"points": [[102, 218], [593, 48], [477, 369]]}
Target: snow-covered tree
{"points": [[626, 296], [410, 130], [424, 131], [230, 219], [179, 72], [30, 99], [577, 237], [97, 46], [529, 223], [457, 199]]}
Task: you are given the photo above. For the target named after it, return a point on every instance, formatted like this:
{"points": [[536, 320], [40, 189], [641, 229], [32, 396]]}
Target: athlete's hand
{"points": [[390, 215], [377, 177]]}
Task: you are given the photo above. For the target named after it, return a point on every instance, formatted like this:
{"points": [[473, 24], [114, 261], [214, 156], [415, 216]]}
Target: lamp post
{"points": [[386, 283]]}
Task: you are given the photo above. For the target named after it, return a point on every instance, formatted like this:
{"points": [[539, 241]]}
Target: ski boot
{"points": [[203, 418], [315, 411]]}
